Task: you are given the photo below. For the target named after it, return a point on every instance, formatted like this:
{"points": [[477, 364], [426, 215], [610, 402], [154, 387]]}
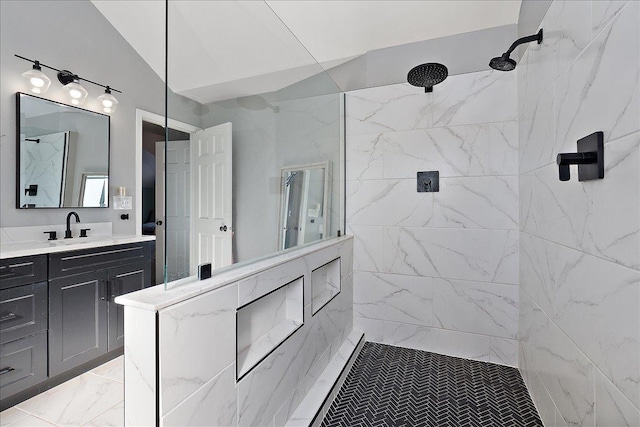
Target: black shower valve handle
{"points": [[589, 158]]}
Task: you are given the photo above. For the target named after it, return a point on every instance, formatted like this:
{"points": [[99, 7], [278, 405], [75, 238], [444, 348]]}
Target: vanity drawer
{"points": [[89, 260], [22, 271], [23, 311], [23, 363]]}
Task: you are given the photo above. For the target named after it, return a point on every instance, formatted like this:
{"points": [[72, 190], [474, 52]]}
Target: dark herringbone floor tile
{"points": [[394, 386]]}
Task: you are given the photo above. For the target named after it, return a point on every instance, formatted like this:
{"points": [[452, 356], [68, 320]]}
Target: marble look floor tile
{"points": [[112, 417], [612, 408], [597, 306], [407, 299], [76, 401], [10, 416], [31, 421], [113, 369], [597, 75]]}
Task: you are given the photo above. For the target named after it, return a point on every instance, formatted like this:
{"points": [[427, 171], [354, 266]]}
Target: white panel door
{"points": [[176, 220], [212, 204]]}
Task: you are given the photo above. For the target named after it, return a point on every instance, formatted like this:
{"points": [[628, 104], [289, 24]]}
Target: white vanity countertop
{"points": [[156, 298], [18, 249]]}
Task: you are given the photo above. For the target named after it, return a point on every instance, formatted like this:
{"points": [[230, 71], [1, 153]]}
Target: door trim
{"points": [[157, 119]]}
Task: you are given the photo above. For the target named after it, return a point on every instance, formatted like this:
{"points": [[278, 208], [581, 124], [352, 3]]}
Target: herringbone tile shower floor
{"points": [[394, 386]]}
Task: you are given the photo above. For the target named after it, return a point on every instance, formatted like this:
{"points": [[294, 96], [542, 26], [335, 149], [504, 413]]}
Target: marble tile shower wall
{"points": [[580, 241], [436, 271]]}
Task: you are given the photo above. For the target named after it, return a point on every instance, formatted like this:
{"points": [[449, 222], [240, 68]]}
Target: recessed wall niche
{"points": [[325, 284], [265, 323]]}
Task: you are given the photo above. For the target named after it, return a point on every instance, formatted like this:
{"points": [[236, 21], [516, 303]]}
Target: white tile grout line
{"points": [[104, 378], [35, 416], [107, 410]]}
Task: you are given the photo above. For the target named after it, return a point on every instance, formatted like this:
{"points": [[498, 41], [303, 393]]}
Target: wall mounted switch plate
{"points": [[428, 182]]}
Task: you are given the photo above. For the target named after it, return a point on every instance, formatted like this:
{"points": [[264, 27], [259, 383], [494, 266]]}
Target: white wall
{"points": [[436, 271], [74, 35], [579, 241]]}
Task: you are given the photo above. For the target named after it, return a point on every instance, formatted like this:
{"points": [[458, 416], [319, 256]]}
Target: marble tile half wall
{"points": [[198, 382], [436, 271]]}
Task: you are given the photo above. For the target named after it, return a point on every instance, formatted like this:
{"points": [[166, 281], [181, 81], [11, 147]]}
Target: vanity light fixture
{"points": [[74, 90], [108, 102], [72, 87], [37, 79]]}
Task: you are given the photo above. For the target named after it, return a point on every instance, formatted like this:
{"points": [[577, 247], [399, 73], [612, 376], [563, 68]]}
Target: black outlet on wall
{"points": [[428, 182]]}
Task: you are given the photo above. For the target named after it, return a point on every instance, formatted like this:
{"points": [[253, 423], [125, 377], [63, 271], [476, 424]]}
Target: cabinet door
{"points": [[122, 280], [77, 320]]}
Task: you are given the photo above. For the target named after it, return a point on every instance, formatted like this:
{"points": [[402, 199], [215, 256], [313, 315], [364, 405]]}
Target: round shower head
{"points": [[502, 63], [427, 75]]}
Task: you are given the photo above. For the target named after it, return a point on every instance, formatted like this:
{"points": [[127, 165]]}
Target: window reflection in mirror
{"points": [[94, 190]]}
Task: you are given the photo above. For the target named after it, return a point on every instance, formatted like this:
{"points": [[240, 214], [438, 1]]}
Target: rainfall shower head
{"points": [[427, 75], [504, 62]]}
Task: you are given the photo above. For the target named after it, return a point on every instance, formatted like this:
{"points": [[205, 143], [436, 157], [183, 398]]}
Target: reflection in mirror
{"points": [[63, 155], [305, 199]]}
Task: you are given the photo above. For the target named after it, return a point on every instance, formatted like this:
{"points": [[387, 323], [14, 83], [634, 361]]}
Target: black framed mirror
{"points": [[62, 155]]}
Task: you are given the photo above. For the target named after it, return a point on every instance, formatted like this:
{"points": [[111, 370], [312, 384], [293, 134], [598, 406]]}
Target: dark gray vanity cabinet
{"points": [[84, 320], [77, 320], [23, 323], [123, 280], [58, 317]]}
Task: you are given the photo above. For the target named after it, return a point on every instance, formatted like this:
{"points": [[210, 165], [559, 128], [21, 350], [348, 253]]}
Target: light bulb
{"points": [[38, 80], [76, 92], [108, 102]]}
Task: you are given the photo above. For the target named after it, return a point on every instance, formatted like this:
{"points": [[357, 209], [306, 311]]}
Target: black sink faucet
{"points": [[67, 233]]}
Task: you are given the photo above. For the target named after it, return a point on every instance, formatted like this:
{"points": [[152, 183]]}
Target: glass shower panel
{"points": [[263, 106]]}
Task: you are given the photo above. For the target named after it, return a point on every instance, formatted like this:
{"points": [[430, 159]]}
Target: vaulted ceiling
{"points": [[226, 49]]}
